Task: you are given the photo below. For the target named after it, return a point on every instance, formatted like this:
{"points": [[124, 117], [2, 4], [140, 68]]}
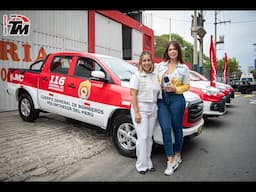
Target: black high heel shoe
{"points": [[142, 172], [152, 169]]}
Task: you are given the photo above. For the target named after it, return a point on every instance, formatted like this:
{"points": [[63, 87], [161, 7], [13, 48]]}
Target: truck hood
{"points": [[203, 85], [219, 85], [190, 96], [125, 84]]}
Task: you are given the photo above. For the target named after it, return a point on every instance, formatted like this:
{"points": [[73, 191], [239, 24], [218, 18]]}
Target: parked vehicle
{"points": [[248, 77], [214, 100], [245, 87], [91, 88], [228, 91]]}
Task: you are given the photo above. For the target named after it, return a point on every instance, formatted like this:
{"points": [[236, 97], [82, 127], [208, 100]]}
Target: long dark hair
{"points": [[177, 46]]}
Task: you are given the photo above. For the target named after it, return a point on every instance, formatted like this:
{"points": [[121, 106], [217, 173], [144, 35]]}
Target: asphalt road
{"points": [[54, 149], [225, 151]]}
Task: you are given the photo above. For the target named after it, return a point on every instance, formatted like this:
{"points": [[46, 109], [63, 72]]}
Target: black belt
{"points": [[172, 93]]}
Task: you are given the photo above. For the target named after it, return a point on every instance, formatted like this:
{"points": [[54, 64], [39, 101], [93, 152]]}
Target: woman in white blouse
{"points": [[144, 89], [173, 77]]}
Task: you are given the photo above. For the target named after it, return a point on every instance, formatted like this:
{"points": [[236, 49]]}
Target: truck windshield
{"points": [[247, 79], [197, 76], [120, 67]]}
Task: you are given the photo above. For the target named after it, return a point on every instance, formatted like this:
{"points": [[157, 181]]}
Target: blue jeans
{"points": [[170, 114]]}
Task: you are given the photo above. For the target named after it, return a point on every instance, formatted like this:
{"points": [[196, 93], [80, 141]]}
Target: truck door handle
{"points": [[45, 79], [71, 85]]}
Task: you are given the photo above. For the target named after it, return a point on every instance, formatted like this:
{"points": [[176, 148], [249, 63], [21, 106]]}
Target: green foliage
{"points": [[162, 41], [232, 65], [253, 73], [160, 44]]}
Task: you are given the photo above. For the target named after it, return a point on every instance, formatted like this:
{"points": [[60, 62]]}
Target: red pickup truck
{"points": [[91, 88]]}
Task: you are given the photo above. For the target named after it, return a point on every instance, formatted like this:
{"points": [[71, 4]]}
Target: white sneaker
{"points": [[179, 160], [170, 168]]}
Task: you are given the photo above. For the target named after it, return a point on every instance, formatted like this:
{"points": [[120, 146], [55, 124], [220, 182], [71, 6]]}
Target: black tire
{"points": [[124, 135], [248, 91], [26, 108], [243, 91]]}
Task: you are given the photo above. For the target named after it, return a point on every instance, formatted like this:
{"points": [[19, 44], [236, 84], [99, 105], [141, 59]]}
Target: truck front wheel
{"points": [[26, 108], [124, 135]]}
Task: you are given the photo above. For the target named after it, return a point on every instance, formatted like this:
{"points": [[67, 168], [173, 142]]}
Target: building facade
{"points": [[27, 36]]}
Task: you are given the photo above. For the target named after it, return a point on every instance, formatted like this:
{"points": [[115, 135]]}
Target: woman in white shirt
{"points": [[145, 89]]}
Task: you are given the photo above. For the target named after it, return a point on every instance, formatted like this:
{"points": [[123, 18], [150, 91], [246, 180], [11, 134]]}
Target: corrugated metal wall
{"points": [[108, 36], [52, 30], [137, 43]]}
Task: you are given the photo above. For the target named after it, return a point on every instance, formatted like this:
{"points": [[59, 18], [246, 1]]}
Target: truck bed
{"points": [[23, 70]]}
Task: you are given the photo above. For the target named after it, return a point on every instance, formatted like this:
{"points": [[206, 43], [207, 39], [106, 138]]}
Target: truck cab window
{"points": [[85, 66], [60, 65]]}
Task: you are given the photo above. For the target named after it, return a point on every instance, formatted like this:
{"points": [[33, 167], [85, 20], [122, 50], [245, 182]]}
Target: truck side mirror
{"points": [[98, 74]]}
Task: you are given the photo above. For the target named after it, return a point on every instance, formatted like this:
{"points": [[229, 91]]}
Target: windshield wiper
{"points": [[125, 79]]}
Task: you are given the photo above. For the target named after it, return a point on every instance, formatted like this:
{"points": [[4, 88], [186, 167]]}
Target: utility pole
{"points": [[215, 30], [254, 44], [198, 30], [170, 38], [194, 33], [201, 34], [215, 35]]}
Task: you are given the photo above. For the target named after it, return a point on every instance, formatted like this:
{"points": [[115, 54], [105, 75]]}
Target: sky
{"points": [[237, 26]]}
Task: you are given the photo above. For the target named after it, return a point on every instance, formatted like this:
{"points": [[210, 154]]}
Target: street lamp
{"points": [[254, 44]]}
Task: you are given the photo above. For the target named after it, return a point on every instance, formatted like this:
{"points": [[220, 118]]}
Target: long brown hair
{"points": [[140, 61], [177, 46]]}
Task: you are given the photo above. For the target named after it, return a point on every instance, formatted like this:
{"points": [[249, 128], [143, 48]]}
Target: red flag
{"points": [[225, 73], [213, 64]]}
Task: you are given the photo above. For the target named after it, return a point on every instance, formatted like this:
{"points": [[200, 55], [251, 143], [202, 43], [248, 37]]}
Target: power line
{"points": [[250, 21], [215, 29], [167, 18]]}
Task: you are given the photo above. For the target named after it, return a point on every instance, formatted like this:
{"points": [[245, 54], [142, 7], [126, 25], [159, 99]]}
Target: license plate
{"points": [[200, 129]]}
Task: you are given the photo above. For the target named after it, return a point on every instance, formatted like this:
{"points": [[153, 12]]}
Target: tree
{"points": [[233, 67], [162, 41], [254, 73], [160, 45]]}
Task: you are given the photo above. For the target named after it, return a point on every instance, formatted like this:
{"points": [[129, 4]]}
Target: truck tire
{"points": [[248, 91], [26, 108], [124, 135]]}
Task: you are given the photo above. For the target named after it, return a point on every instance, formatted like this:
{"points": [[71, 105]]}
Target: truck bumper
{"points": [[190, 131]]}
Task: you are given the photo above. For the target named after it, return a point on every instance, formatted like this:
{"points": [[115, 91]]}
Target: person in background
{"points": [[173, 77], [144, 90]]}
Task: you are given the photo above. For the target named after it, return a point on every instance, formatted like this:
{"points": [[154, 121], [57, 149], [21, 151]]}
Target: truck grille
{"points": [[228, 98], [195, 111], [219, 106], [233, 94], [222, 104]]}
